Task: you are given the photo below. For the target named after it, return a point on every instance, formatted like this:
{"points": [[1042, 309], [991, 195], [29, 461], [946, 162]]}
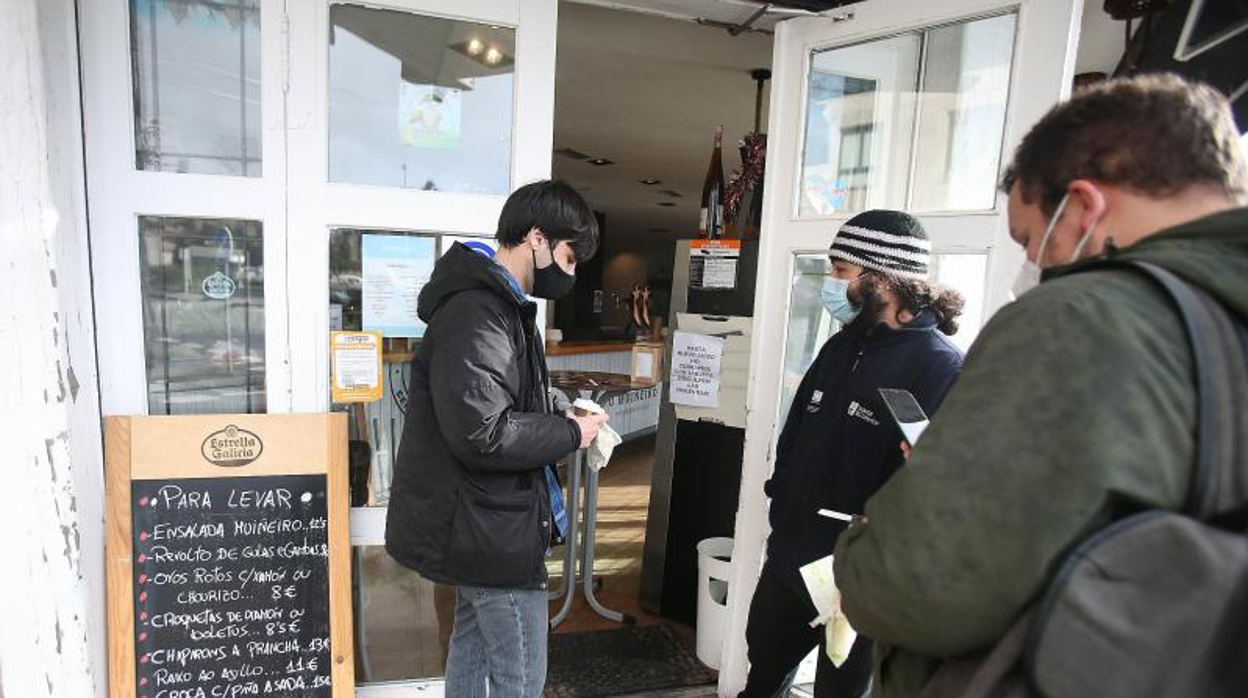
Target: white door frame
{"points": [[1044, 53], [293, 199], [118, 193]]}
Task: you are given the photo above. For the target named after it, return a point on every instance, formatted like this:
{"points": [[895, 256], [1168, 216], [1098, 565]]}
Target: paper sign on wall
{"points": [[395, 268], [713, 264], [696, 362], [355, 365]]}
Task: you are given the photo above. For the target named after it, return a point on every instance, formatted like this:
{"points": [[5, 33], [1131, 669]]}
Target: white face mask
{"points": [[1029, 275]]}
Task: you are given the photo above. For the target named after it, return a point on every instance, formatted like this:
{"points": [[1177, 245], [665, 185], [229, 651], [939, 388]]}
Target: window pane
{"points": [[363, 265], [967, 273], [859, 118], [419, 102], [196, 78], [913, 121], [403, 621], [203, 314], [809, 324], [962, 115]]}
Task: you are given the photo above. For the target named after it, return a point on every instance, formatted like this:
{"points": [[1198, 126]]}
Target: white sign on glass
{"points": [[395, 268]]}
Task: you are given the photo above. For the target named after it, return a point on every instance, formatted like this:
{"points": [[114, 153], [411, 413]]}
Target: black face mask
{"points": [[551, 282]]}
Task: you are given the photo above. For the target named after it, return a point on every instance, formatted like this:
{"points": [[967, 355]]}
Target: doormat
{"points": [[620, 663]]}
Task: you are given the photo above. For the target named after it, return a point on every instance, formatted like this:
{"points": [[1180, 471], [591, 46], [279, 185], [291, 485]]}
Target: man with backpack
{"points": [[1077, 408]]}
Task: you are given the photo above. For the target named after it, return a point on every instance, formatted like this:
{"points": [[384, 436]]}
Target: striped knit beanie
{"points": [[891, 242]]}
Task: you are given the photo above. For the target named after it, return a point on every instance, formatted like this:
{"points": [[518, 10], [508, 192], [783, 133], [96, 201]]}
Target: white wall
{"points": [[52, 639]]}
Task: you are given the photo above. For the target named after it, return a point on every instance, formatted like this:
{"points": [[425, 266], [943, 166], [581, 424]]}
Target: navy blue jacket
{"points": [[839, 444]]}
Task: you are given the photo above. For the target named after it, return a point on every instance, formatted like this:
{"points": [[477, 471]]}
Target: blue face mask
{"points": [[835, 294]]}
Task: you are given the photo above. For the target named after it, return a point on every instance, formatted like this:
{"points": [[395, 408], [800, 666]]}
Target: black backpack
{"points": [[1155, 604]]}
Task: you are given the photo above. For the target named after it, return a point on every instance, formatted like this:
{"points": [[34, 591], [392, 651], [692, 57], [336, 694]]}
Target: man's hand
{"points": [[905, 450], [589, 425]]}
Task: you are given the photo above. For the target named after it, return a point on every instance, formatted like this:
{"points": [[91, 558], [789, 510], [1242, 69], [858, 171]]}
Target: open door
{"points": [[909, 105]]}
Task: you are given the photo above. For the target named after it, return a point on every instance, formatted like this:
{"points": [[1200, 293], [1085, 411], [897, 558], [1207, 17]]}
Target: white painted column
{"points": [[52, 631]]}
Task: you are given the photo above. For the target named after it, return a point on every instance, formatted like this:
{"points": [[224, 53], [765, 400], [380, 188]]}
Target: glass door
{"points": [[910, 106], [256, 170], [410, 123]]}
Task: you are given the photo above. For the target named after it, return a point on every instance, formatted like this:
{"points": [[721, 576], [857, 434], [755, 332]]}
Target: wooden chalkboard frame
{"points": [[138, 448]]}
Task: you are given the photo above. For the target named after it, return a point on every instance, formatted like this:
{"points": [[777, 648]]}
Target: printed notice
{"points": [[696, 360], [355, 366], [231, 593], [395, 268], [713, 264]]}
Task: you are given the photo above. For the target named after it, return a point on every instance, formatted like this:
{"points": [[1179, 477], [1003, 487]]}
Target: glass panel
{"points": [[402, 620], [966, 81], [203, 314], [809, 324], [968, 274], [913, 121], [858, 123], [196, 67], [374, 279], [419, 102]]}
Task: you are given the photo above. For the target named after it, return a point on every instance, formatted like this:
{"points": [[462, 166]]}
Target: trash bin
{"points": [[714, 564]]}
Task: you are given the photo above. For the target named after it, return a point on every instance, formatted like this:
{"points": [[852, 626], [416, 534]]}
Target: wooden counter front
{"points": [[574, 348]]}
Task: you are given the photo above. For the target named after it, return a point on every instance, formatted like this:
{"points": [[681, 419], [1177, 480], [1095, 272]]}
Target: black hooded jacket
{"points": [[469, 503], [839, 444]]}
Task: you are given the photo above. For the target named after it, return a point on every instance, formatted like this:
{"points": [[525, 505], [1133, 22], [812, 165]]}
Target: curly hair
{"points": [[915, 296], [1155, 134]]}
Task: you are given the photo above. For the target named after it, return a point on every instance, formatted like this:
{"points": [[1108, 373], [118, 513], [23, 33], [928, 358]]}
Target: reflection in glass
{"points": [[809, 324], [913, 121], [402, 621], [966, 81], [196, 72], [203, 314], [419, 102]]}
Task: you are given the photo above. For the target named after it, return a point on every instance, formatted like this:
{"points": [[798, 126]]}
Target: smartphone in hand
{"points": [[906, 411]]}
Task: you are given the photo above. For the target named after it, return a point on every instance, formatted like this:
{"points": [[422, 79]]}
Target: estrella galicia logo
{"points": [[231, 447], [218, 286], [866, 415]]}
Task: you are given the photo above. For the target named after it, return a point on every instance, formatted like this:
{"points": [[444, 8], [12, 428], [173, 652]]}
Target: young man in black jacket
{"points": [[839, 444], [474, 497]]}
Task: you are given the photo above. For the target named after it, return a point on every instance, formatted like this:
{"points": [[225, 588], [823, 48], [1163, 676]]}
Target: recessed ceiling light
{"points": [[670, 192], [599, 162], [666, 204], [650, 182]]}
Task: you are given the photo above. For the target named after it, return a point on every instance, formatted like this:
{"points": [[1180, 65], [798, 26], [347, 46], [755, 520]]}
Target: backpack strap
{"points": [[1219, 483]]}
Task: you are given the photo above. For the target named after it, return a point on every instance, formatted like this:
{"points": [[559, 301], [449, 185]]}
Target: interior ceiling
{"points": [[646, 92]]}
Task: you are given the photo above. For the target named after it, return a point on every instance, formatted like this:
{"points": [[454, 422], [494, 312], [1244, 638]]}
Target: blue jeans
{"points": [[499, 639]]}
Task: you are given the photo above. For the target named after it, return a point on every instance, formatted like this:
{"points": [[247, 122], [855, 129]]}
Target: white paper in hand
{"points": [[820, 581]]}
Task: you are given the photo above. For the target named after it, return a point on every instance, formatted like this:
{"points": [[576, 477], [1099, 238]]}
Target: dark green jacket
{"points": [[1076, 402]]}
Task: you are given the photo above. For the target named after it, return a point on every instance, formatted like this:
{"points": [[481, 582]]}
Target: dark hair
{"points": [[1154, 134], [556, 209], [915, 296]]}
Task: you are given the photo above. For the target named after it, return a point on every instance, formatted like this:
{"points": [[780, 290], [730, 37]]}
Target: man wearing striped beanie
{"points": [[839, 445]]}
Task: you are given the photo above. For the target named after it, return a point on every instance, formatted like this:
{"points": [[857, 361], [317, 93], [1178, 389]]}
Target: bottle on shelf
{"points": [[711, 226]]}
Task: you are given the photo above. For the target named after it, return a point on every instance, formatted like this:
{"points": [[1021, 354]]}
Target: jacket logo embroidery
{"points": [[866, 415], [816, 401]]}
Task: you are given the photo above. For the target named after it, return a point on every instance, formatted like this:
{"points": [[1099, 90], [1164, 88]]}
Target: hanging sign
{"points": [[228, 556], [713, 264], [355, 366]]}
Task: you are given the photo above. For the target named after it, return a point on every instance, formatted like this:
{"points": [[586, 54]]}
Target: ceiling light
{"points": [[666, 204], [670, 192], [601, 161], [650, 182], [475, 47], [493, 56]]}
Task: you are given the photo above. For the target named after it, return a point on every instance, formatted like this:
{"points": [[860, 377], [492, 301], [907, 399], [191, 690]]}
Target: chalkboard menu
{"points": [[233, 586], [228, 557]]}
